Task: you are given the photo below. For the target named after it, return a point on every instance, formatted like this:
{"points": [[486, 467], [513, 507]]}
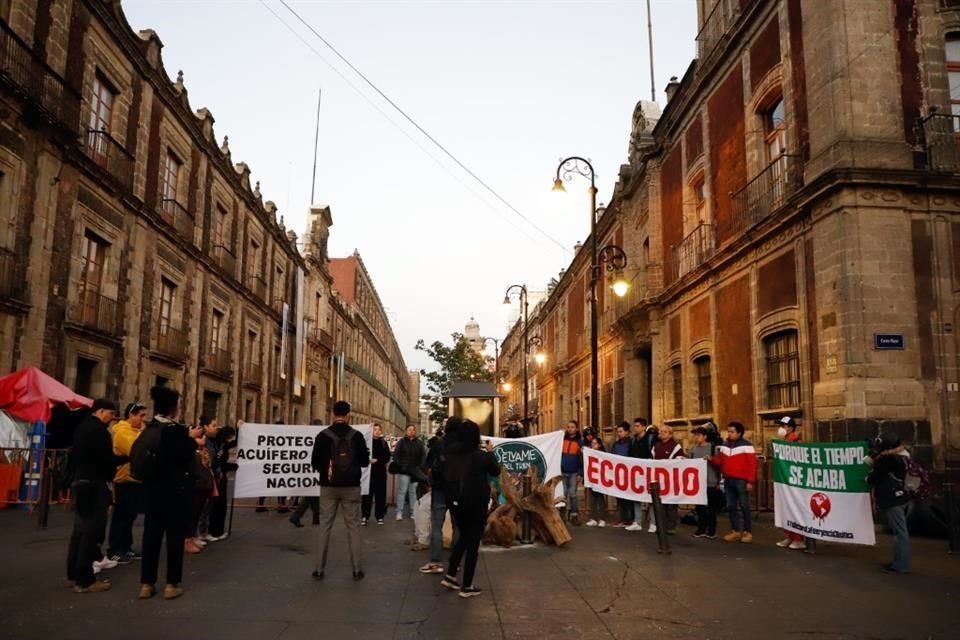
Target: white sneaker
{"points": [[783, 544], [602, 524], [652, 528], [797, 545], [634, 527], [96, 569], [591, 522], [399, 517], [106, 563], [223, 537], [200, 542], [209, 538]]}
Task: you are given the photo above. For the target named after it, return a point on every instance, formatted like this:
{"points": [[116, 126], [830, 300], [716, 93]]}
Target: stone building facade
{"points": [[792, 224], [134, 250]]}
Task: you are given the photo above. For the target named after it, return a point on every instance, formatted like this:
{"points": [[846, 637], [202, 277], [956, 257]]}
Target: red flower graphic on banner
{"points": [[820, 505]]}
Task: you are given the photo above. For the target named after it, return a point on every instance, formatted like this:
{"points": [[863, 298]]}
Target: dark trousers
{"points": [[196, 510], [128, 502], [470, 519], [167, 513], [707, 513], [91, 504], [378, 495], [218, 509], [625, 510], [313, 504]]}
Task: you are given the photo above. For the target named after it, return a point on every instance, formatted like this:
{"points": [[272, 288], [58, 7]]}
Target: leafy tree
{"points": [[456, 363]]}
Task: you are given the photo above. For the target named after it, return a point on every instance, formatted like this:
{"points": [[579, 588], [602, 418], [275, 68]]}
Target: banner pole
{"points": [[662, 539]]}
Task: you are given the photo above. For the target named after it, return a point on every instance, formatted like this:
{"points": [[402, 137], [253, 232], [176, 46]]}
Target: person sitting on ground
{"points": [[598, 501], [706, 513], [466, 472], [788, 431], [737, 460], [667, 448], [621, 447], [571, 466]]}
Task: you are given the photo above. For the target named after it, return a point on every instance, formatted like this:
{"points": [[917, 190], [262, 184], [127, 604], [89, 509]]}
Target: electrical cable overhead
{"points": [[406, 133], [423, 131]]}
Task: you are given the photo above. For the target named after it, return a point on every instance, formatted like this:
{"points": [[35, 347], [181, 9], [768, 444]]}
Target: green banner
{"points": [[835, 466]]}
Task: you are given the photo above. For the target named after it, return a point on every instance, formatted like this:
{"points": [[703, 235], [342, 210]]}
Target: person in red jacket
{"points": [[666, 448], [737, 460], [788, 431]]}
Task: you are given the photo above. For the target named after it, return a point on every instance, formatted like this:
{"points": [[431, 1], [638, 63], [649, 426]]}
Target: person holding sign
{"points": [[339, 455], [888, 477], [788, 431], [667, 448], [737, 460]]}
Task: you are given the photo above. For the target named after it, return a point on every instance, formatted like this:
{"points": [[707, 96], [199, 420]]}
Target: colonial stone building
{"points": [[134, 250], [792, 223]]}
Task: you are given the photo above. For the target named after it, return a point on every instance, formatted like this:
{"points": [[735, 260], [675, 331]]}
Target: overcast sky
{"points": [[508, 87]]}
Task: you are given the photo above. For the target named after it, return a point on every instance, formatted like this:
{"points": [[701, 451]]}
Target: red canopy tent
{"points": [[30, 394]]}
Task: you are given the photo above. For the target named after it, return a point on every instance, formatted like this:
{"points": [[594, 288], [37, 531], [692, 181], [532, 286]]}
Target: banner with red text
{"points": [[681, 481]]}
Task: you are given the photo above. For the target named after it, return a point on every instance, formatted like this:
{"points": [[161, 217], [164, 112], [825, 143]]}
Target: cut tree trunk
{"points": [[503, 525]]}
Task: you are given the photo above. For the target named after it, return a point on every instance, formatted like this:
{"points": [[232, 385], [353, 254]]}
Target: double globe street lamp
{"points": [[611, 255]]}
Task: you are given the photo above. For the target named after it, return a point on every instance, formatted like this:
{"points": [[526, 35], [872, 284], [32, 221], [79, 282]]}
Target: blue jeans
{"points": [[570, 491], [737, 496], [897, 519], [438, 512], [406, 488]]}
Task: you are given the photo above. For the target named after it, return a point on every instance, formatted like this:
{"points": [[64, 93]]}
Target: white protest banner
{"points": [[543, 452], [681, 481], [820, 491], [274, 460]]}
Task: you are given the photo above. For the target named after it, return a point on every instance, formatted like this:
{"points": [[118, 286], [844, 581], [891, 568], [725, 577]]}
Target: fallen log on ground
{"points": [[503, 524]]}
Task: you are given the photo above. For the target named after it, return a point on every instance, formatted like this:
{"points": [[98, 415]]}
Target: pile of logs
{"points": [[503, 524]]}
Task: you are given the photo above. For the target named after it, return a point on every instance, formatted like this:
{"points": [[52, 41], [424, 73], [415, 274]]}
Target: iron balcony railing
{"points": [[718, 21], [941, 141], [257, 285], [693, 250], [764, 195], [218, 360], [35, 81], [11, 275], [225, 258], [176, 215], [644, 287], [171, 341], [253, 373], [112, 156], [96, 311]]}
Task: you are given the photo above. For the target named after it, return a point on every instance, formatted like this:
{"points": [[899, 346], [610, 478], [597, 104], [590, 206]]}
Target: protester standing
{"points": [[339, 455], [641, 446], [169, 490], [409, 457], [203, 486], [667, 448], [438, 498], [466, 473], [737, 460], [571, 466], [377, 495], [788, 431], [127, 490], [225, 440], [621, 447], [888, 477], [598, 501], [706, 513], [93, 467]]}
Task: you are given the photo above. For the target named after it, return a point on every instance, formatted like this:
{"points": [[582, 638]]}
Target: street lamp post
{"points": [[612, 254], [521, 290]]}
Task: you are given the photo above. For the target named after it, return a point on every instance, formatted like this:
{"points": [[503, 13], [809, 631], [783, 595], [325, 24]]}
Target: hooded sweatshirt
{"points": [[736, 460], [124, 435]]}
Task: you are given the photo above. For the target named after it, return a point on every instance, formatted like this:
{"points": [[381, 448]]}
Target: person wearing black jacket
{"points": [[225, 439], [409, 457], [641, 446], [93, 467], [438, 499], [467, 471], [340, 483], [168, 496], [378, 478], [888, 478]]}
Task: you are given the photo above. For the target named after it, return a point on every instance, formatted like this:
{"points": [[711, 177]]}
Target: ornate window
{"points": [[783, 370]]}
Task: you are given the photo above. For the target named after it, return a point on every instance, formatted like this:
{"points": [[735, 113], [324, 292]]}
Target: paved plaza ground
{"points": [[605, 584]]}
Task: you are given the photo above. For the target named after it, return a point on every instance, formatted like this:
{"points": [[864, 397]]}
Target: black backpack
{"points": [[145, 454], [342, 468]]}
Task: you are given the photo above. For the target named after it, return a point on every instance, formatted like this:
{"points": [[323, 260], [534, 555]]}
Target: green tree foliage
{"points": [[455, 363]]}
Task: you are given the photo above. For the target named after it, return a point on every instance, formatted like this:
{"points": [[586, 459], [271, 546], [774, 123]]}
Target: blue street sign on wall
{"points": [[887, 341]]}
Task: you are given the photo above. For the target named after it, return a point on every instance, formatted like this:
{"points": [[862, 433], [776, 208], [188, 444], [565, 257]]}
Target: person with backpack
{"points": [[379, 458], [667, 448], [466, 473], [93, 467], [339, 455], [438, 498], [127, 490], [162, 459], [409, 457], [889, 479]]}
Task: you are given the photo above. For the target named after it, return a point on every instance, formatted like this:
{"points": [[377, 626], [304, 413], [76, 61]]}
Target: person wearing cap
{"points": [[93, 467], [788, 431], [706, 513], [888, 477], [127, 490]]}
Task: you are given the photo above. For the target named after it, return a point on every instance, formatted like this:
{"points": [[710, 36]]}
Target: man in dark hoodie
{"points": [[888, 478], [438, 498], [339, 455], [641, 446], [93, 466], [410, 456]]}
